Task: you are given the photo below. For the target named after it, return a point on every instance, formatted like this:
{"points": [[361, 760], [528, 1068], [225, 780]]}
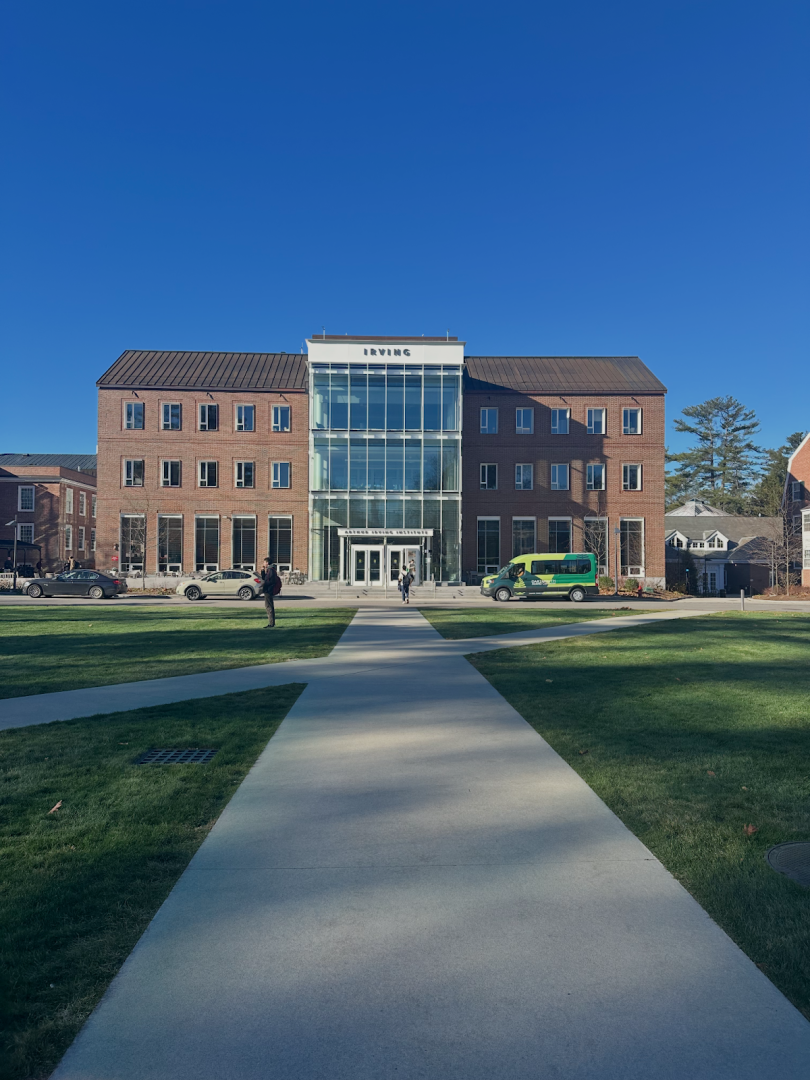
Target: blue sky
{"points": [[538, 178]]}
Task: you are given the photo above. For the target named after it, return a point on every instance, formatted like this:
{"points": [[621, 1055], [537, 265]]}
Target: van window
{"points": [[537, 567]]}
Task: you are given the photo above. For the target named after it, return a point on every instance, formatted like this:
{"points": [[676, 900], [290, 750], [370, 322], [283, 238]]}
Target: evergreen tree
{"points": [[766, 498]]}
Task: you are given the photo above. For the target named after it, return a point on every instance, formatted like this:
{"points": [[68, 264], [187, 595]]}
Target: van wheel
{"points": [[577, 595], [245, 593], [503, 595], [193, 593]]}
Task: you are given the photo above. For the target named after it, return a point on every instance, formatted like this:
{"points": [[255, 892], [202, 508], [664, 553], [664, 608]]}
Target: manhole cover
{"points": [[792, 860], [175, 757]]}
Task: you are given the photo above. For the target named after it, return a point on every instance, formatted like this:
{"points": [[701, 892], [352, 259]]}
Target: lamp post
{"points": [[14, 556]]}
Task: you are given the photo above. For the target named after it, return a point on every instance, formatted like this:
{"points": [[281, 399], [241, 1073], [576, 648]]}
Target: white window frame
{"points": [[521, 428], [244, 517], [485, 411], [522, 466], [534, 523], [93, 505], [169, 405], [479, 519], [68, 500], [634, 571], [602, 568], [796, 493], [68, 538], [555, 477], [278, 517], [589, 476], [626, 419], [20, 490], [592, 415], [561, 517], [202, 477], [171, 567], [133, 426], [555, 421], [166, 473], [276, 475], [129, 473], [81, 538], [206, 405], [82, 504], [25, 532], [276, 418], [92, 539], [625, 480], [484, 477], [239, 421], [239, 481]]}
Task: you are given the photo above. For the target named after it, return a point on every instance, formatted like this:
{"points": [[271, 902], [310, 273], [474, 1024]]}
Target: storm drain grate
{"points": [[175, 757], [792, 860]]}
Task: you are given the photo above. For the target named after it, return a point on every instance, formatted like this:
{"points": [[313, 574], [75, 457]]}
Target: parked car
{"points": [[245, 584], [77, 583]]}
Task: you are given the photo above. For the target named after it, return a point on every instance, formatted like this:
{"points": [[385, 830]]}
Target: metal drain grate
{"points": [[792, 860], [175, 757]]}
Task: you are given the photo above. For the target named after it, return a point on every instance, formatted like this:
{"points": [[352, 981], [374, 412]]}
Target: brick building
{"points": [[53, 497], [797, 499], [372, 450]]}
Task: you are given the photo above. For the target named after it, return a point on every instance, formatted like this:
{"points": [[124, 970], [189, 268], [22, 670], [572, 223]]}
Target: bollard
{"points": [[742, 599]]}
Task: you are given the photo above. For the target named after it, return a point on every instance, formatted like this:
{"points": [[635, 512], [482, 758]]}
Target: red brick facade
{"points": [[797, 494], [62, 530]]}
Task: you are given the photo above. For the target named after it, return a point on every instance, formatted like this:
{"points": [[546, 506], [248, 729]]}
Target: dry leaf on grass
{"points": [[710, 773], [583, 751], [53, 809], [749, 830]]}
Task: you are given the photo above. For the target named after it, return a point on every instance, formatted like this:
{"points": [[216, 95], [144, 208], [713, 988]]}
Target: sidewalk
{"points": [[411, 884]]}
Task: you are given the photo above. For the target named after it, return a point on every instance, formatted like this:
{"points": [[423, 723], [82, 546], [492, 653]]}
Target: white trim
{"points": [[27, 509]]}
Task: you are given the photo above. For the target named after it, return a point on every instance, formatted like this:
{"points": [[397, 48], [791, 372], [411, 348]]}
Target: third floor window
{"points": [[524, 421], [244, 474], [560, 421], [631, 421], [133, 414], [559, 478], [207, 473], [170, 474], [596, 421], [595, 478], [209, 417], [133, 474], [245, 417], [281, 418], [171, 416], [489, 421], [489, 477]]}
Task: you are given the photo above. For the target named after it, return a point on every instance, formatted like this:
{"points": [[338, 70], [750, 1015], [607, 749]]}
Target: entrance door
{"points": [[367, 565], [399, 557]]}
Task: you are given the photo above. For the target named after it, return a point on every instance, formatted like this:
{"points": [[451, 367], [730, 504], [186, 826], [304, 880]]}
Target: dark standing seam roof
{"points": [[85, 463], [561, 374], [207, 370]]}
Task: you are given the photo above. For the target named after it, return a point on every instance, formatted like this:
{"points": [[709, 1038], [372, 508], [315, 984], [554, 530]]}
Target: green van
{"points": [[530, 576]]}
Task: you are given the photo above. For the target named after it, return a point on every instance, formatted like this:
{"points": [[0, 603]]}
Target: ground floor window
{"points": [[25, 533], [133, 542], [632, 547], [489, 545], [595, 540], [559, 534], [243, 550], [170, 543], [279, 542], [92, 539], [206, 543], [524, 536]]}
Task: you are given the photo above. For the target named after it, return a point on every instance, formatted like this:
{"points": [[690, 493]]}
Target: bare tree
{"points": [[783, 542], [595, 534]]}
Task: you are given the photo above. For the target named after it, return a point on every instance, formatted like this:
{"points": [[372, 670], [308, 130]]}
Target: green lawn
{"points": [[64, 648], [690, 731], [457, 623], [80, 885]]}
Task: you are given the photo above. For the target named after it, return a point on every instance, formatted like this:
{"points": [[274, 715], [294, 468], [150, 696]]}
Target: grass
{"points": [[80, 885], [65, 648], [455, 623], [690, 731]]}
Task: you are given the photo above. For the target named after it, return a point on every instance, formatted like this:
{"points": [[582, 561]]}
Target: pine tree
{"points": [[766, 497]]}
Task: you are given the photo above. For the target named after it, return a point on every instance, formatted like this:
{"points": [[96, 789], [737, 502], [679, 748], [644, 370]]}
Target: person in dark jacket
{"points": [[270, 587]]}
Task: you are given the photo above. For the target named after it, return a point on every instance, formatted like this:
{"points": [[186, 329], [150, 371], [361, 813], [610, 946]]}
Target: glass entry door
{"points": [[367, 565]]}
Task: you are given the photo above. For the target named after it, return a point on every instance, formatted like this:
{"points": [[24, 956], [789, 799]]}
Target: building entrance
{"points": [[367, 565], [375, 565]]}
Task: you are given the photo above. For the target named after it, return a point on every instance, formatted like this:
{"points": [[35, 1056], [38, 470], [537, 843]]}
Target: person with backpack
{"points": [[404, 584], [271, 587]]}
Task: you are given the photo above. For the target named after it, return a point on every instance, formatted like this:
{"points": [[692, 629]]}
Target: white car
{"points": [[245, 584]]}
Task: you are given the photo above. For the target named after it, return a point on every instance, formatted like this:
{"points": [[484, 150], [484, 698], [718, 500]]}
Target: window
{"points": [[281, 474], [524, 536], [81, 538], [489, 477], [489, 545], [133, 477], [796, 491], [524, 477], [133, 541], [25, 498], [489, 421], [631, 477], [597, 422], [92, 539], [68, 538], [207, 473], [206, 543], [279, 542], [281, 418], [170, 543], [797, 523], [676, 542], [631, 421], [243, 543], [82, 504], [595, 478], [595, 539], [171, 416], [524, 421], [133, 414], [559, 478], [170, 474], [25, 533], [209, 417], [559, 534], [244, 418], [244, 474], [559, 421], [93, 504], [69, 499], [632, 546]]}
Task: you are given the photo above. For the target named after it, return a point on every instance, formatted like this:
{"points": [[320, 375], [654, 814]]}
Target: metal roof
{"points": [[561, 374], [736, 527], [85, 463], [207, 370]]}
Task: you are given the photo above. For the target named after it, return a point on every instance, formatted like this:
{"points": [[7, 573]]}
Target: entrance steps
{"points": [[334, 590]]}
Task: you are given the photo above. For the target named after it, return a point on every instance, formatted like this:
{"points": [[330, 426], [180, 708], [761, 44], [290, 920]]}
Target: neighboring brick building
{"points": [[203, 461], [797, 498], [53, 497]]}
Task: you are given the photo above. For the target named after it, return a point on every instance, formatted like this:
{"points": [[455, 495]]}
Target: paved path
{"points": [[411, 884]]}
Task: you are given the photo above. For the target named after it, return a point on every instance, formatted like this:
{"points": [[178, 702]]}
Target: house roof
{"points": [[85, 463], [696, 508], [561, 374], [733, 527], [155, 369]]}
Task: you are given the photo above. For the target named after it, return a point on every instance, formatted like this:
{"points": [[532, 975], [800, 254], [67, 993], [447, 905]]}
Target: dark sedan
{"points": [[77, 583]]}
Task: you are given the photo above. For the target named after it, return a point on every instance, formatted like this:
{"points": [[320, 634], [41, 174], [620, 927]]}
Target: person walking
{"points": [[405, 579], [271, 587]]}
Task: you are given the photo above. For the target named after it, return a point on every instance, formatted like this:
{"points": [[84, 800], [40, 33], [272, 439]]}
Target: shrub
{"points": [[606, 584], [630, 585]]}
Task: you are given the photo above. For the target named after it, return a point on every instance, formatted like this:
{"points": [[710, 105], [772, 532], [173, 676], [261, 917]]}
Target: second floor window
{"points": [[133, 414], [559, 478], [595, 478], [245, 417], [93, 504], [524, 421], [171, 416], [68, 538], [489, 421], [596, 422], [82, 504], [281, 418], [796, 491], [208, 474], [631, 477], [25, 498], [631, 421], [209, 417], [489, 477], [69, 500], [81, 538], [244, 474], [170, 476], [133, 474], [560, 421], [281, 474], [524, 476]]}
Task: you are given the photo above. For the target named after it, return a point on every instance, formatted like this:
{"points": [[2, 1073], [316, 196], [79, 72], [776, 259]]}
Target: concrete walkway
{"points": [[411, 884]]}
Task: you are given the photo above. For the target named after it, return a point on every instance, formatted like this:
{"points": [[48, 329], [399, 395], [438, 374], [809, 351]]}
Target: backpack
{"points": [[277, 586]]}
